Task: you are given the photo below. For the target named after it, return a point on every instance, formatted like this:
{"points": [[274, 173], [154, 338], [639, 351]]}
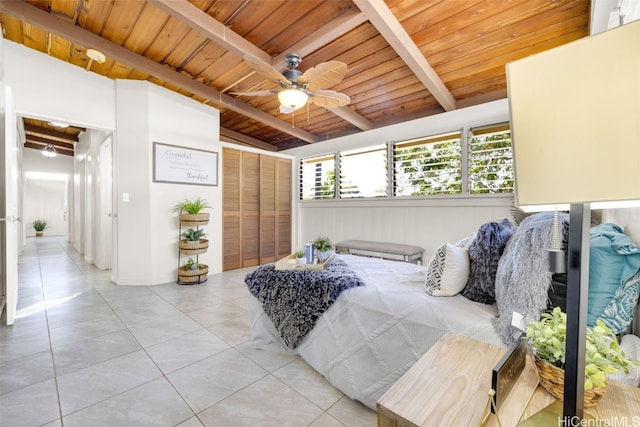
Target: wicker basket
{"points": [[552, 379], [193, 248], [198, 219], [193, 276]]}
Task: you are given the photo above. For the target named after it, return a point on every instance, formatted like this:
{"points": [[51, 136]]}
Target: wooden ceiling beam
{"points": [[45, 141], [51, 23], [352, 117], [322, 36], [237, 136], [220, 34], [388, 25], [210, 28], [50, 133]]}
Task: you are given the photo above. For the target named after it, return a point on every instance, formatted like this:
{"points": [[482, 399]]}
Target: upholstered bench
{"points": [[392, 251]]}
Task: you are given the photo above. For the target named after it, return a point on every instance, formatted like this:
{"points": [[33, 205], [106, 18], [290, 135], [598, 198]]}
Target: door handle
{"points": [[11, 219]]}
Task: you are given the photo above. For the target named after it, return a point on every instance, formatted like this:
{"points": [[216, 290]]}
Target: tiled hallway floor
{"points": [[86, 352]]}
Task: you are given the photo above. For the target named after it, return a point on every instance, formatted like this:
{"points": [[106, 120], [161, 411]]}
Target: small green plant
{"points": [[322, 244], [299, 253], [191, 265], [547, 338], [192, 235], [191, 206], [39, 224]]}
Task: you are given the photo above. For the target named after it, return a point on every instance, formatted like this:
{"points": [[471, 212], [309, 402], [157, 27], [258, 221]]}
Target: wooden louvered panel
{"points": [[250, 208], [283, 207], [231, 258], [268, 231], [231, 249], [250, 238]]}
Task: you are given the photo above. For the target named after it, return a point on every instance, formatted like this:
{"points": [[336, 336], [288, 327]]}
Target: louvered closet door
{"points": [[250, 209], [268, 230], [231, 253], [256, 208], [283, 207]]}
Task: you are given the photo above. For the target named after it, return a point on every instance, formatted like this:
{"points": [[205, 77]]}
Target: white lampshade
{"points": [[575, 121], [49, 151], [293, 98]]}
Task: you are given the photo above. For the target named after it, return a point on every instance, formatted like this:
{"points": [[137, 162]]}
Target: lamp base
{"points": [[552, 416]]}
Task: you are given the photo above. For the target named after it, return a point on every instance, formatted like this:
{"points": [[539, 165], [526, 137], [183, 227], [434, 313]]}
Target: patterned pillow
{"points": [[618, 315], [449, 265], [484, 254], [448, 271]]}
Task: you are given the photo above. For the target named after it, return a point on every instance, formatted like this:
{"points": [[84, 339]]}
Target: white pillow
{"points": [[448, 271], [630, 344]]}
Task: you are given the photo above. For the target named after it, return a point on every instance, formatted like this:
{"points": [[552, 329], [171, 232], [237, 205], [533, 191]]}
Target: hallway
{"points": [[84, 351]]}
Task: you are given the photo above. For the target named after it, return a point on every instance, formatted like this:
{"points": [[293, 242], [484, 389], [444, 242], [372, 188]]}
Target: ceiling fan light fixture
{"points": [[49, 151], [293, 98]]}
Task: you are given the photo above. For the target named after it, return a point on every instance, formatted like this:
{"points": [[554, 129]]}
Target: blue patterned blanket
{"points": [[295, 299]]}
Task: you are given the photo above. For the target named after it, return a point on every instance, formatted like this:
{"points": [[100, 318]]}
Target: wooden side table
{"points": [[449, 386]]}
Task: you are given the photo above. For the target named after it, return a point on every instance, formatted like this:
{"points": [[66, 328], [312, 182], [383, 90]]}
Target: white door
{"points": [[9, 205], [106, 205]]}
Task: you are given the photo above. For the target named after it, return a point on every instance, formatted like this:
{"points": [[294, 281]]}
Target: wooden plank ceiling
{"points": [[406, 58]]}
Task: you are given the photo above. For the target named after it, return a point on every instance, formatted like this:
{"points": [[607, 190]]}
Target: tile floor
{"points": [[85, 352]]}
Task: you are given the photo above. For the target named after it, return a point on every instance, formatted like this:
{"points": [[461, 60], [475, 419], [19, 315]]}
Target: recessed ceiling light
{"points": [[96, 55]]}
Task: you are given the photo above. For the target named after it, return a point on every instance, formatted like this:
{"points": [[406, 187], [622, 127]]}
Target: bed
{"points": [[372, 334], [378, 317]]}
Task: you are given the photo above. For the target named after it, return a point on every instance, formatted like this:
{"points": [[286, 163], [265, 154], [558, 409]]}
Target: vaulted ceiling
{"points": [[405, 58]]}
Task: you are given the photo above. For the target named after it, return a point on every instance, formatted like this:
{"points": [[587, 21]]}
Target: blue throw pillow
{"points": [[613, 260]]}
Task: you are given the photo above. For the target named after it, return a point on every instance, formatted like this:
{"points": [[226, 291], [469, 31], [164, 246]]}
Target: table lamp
{"points": [[575, 123]]}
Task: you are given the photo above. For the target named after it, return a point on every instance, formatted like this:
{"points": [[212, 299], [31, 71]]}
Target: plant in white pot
{"points": [[300, 256], [323, 248], [547, 340]]}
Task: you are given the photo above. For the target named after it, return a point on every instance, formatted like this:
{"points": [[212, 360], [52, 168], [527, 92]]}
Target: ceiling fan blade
{"points": [[255, 93], [330, 99], [323, 75], [265, 70]]}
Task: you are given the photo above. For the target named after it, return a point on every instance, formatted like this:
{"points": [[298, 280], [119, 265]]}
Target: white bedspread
{"points": [[373, 334]]}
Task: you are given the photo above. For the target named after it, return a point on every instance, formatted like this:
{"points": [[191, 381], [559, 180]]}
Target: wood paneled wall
{"points": [[256, 212]]}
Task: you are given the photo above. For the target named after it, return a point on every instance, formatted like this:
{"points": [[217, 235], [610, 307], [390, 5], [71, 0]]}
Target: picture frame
{"points": [[175, 164]]}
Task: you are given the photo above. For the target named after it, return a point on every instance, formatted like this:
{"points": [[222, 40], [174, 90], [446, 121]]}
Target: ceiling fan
{"points": [[296, 88]]}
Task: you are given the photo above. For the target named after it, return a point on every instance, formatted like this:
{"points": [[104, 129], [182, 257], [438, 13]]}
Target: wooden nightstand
{"points": [[448, 386]]}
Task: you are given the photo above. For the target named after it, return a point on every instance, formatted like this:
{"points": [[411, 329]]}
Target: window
{"points": [[318, 178], [428, 166], [363, 172], [490, 160]]}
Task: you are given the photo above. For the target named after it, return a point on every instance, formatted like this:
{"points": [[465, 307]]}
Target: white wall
{"points": [[427, 222], [45, 87], [147, 229], [44, 198]]}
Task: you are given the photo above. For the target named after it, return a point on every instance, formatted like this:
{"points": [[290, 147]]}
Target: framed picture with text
{"points": [[181, 165]]}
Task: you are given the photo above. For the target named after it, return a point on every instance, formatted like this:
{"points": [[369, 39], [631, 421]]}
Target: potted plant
{"points": [[323, 248], [547, 340], [300, 256], [192, 272], [39, 225], [189, 212], [193, 242]]}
